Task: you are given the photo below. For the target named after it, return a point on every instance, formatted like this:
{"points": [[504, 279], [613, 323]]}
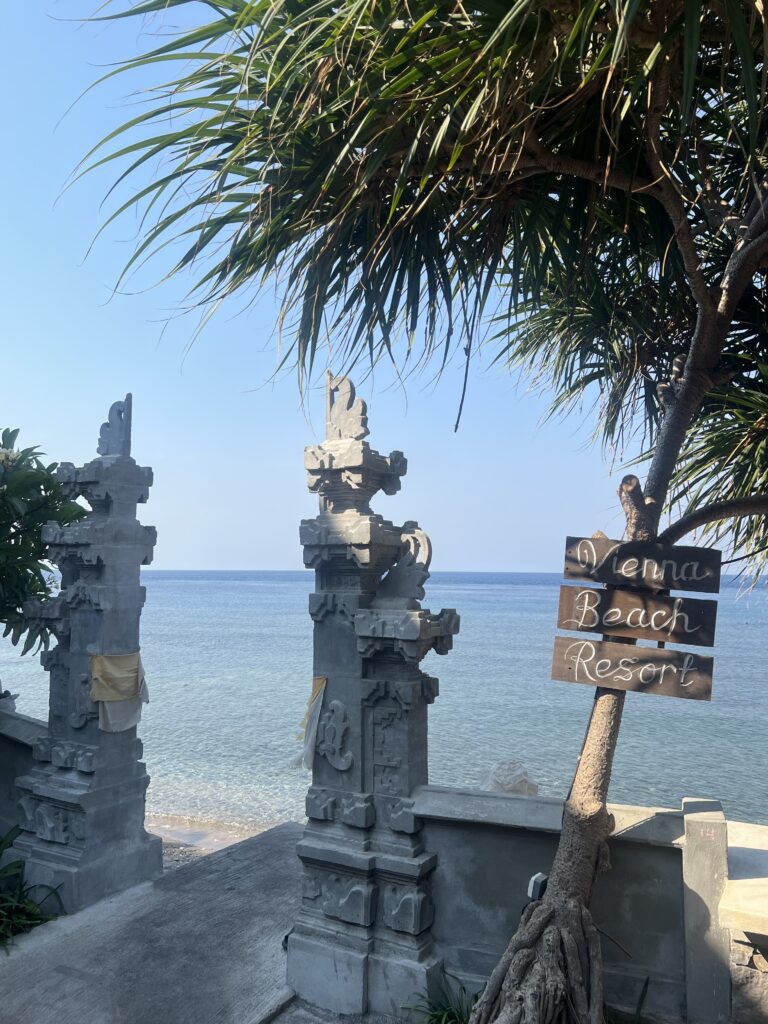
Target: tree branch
{"points": [[555, 163], [640, 525], [535, 159], [667, 192], [743, 263], [734, 508]]}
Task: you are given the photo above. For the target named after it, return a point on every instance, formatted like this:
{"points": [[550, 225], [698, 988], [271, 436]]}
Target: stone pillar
{"points": [[82, 805], [707, 943], [362, 941]]}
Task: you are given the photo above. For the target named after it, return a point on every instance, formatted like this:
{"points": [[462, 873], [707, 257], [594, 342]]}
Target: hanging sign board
{"points": [[634, 605], [667, 673], [644, 564], [638, 614]]}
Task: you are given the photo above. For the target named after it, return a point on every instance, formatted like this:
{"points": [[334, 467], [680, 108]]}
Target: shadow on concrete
{"points": [[202, 945]]}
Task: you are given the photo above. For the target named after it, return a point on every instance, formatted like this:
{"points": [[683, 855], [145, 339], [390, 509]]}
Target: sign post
{"points": [[634, 604]]}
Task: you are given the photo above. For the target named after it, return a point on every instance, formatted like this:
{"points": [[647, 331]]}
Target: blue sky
{"points": [[226, 445]]}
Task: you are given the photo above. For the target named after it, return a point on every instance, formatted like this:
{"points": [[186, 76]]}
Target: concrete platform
{"points": [[744, 903], [202, 945]]}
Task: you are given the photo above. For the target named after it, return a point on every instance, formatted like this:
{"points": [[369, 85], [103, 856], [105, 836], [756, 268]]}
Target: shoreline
{"points": [[187, 839]]}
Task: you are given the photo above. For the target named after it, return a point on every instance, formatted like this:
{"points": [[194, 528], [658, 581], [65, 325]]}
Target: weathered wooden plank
{"points": [[639, 614], [645, 564], [664, 672]]}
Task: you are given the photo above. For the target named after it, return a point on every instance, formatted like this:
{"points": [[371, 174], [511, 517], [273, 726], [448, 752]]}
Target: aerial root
{"points": [[551, 972]]}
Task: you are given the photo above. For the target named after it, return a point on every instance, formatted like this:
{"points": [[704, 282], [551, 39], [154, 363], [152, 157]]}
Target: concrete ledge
{"points": [[21, 728], [443, 803], [744, 903], [18, 735], [657, 826]]}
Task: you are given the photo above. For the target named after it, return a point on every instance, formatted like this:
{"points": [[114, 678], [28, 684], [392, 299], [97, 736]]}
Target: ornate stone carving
{"points": [[407, 908], [63, 754], [349, 899], [358, 811], [387, 750], [27, 811], [409, 632], [402, 818], [323, 605], [115, 434], [86, 760], [403, 585], [320, 804], [82, 707], [430, 687], [370, 632], [310, 886], [346, 417], [51, 823], [331, 733], [84, 797], [403, 691], [41, 749]]}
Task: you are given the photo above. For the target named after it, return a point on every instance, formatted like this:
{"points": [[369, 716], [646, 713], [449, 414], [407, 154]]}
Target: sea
{"points": [[228, 657]]}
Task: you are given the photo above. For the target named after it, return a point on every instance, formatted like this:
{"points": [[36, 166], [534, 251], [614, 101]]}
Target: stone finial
{"points": [[404, 583], [345, 417], [115, 434]]}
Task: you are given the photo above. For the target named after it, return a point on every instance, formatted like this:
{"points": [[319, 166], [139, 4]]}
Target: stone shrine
{"points": [[82, 803], [362, 941]]}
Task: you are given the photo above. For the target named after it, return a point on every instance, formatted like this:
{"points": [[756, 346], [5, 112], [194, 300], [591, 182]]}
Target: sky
{"points": [[225, 439]]}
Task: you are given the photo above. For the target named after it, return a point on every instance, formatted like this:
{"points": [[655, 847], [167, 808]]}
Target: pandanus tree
{"points": [[589, 178]]}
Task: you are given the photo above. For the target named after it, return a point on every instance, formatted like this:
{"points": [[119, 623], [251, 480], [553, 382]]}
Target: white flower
{"points": [[8, 456]]}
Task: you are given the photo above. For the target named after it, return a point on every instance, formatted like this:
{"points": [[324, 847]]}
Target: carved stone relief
{"points": [[346, 416], [349, 899], [27, 810], [320, 804], [387, 750], [403, 585], [115, 434], [331, 734], [407, 908], [402, 818], [51, 823], [358, 811], [345, 898]]}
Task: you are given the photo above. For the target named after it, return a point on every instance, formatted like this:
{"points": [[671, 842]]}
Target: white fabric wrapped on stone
{"points": [[308, 725], [119, 687]]}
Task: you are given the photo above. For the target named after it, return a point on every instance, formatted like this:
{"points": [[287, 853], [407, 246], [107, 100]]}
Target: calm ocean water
{"points": [[228, 660]]}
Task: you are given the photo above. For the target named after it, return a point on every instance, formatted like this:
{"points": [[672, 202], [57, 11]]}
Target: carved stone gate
{"points": [[81, 799], [362, 941]]}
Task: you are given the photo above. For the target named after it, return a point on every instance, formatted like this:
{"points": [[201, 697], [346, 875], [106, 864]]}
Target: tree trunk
{"points": [[551, 972]]}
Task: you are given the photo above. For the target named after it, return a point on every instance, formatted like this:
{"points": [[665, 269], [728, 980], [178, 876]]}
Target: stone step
{"points": [[744, 903]]}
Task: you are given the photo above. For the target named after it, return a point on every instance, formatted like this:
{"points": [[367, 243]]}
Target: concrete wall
{"points": [[647, 906], [18, 733]]}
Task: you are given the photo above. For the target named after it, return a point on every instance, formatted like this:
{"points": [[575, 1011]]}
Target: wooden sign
{"points": [[647, 616], [645, 564], [667, 673]]}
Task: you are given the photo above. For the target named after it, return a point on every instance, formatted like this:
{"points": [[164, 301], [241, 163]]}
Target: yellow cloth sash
{"points": [[116, 676]]}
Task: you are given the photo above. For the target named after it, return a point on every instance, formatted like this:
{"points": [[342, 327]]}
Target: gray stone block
{"points": [[327, 974]]}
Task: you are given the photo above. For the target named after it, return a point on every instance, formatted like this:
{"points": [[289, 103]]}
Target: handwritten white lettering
{"points": [[589, 615], [666, 571], [590, 667]]}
